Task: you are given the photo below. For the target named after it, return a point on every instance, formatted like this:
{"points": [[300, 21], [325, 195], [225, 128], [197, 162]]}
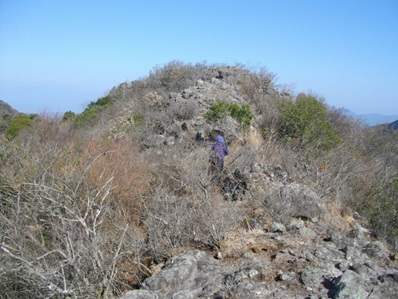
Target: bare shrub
{"points": [[167, 221], [380, 154], [271, 115], [186, 210], [258, 87], [169, 210], [360, 174], [184, 110], [68, 211], [256, 81], [248, 86], [131, 171], [173, 76], [56, 239], [349, 129], [214, 219]]}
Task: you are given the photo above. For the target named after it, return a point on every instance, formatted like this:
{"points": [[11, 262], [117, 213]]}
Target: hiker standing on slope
{"points": [[217, 153]]}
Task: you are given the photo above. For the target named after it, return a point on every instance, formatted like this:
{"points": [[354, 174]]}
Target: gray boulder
{"points": [[153, 140], [186, 276], [296, 200], [312, 276], [140, 294], [350, 285], [196, 274], [277, 227]]}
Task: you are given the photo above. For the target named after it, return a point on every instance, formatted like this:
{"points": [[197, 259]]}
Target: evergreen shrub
{"points": [[18, 123], [219, 110], [306, 120]]}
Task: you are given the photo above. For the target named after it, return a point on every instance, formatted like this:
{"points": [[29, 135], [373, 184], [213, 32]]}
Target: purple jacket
{"points": [[219, 149]]}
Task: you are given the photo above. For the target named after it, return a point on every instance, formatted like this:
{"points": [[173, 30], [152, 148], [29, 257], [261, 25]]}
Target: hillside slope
{"points": [[6, 110], [305, 251], [393, 125], [120, 197]]}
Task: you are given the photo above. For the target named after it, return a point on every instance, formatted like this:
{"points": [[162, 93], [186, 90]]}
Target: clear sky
{"points": [[57, 56]]}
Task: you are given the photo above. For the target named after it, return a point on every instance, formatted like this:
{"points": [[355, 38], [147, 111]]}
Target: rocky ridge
{"points": [[303, 255]]}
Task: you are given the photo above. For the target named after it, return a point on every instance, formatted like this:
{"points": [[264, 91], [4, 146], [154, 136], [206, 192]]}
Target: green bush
{"points": [[306, 120], [87, 117], [104, 101], [18, 123], [219, 110], [90, 114], [68, 115], [3, 126], [138, 119], [242, 114]]}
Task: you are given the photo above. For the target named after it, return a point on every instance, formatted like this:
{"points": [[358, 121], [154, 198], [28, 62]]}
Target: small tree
{"points": [[306, 120]]}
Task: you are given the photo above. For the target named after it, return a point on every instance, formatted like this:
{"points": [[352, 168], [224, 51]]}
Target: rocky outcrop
{"points": [[182, 113], [281, 263], [296, 200]]}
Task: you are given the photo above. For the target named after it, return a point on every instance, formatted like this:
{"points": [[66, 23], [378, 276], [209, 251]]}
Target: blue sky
{"points": [[57, 56]]}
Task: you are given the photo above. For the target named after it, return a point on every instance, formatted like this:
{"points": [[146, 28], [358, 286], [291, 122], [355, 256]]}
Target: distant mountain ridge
{"points": [[377, 119], [373, 119]]}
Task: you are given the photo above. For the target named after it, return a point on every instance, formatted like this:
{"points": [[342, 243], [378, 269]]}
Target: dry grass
{"points": [[244, 241], [254, 140], [338, 216]]}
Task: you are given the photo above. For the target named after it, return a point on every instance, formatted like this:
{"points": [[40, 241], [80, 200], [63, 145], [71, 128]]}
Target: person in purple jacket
{"points": [[218, 151]]}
